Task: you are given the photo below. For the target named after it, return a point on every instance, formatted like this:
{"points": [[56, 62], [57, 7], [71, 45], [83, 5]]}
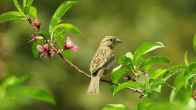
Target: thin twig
{"points": [[80, 70], [74, 66]]}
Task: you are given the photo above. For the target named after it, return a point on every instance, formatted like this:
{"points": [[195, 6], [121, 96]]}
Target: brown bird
{"points": [[103, 59]]}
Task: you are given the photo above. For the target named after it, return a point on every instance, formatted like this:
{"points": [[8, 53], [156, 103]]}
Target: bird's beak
{"points": [[118, 40]]}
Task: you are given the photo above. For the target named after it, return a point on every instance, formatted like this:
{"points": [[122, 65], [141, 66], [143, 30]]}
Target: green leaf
{"points": [[127, 85], [157, 105], [126, 66], [13, 80], [156, 85], [179, 84], [60, 39], [66, 27], [155, 60], [27, 5], [17, 5], [180, 81], [59, 13], [37, 94], [24, 3], [127, 60], [10, 16], [118, 73], [188, 83], [129, 55], [158, 73], [172, 95], [144, 105], [146, 48], [192, 67], [10, 81], [68, 54], [186, 58], [183, 95], [33, 12], [173, 71], [34, 50], [194, 42], [115, 107]]}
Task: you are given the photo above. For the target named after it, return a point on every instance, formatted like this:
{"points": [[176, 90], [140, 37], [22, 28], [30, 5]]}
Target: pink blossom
{"points": [[70, 45], [47, 50], [36, 24], [43, 50]]}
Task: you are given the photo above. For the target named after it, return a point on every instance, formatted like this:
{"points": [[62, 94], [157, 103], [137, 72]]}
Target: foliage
{"points": [[13, 91], [153, 80], [138, 71]]}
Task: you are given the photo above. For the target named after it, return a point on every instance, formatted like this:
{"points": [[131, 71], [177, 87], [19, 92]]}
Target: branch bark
{"points": [[89, 76], [74, 66]]}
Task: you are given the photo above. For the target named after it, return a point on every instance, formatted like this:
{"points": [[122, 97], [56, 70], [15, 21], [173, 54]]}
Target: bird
{"points": [[104, 59]]}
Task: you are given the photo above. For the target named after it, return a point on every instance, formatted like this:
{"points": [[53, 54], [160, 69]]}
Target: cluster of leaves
{"points": [[23, 12], [51, 42], [153, 81], [13, 91], [136, 67], [44, 43], [57, 30]]}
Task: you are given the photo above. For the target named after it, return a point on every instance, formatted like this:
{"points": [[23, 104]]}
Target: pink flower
{"points": [[43, 50], [47, 50], [70, 45], [36, 24]]}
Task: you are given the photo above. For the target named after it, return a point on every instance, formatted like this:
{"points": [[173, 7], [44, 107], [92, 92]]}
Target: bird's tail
{"points": [[93, 88]]}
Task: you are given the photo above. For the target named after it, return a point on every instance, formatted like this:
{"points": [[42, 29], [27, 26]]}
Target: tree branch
{"points": [[73, 65], [89, 76]]}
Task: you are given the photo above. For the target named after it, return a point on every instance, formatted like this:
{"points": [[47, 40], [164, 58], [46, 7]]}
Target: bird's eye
{"points": [[111, 40]]}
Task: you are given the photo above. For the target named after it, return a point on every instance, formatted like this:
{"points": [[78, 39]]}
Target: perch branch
{"points": [[89, 76], [74, 66]]}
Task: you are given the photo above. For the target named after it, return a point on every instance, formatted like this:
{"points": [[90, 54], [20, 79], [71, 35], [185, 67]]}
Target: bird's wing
{"points": [[102, 56]]}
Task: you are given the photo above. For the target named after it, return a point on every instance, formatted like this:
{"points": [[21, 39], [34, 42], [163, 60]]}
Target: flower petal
{"points": [[74, 48], [40, 48]]}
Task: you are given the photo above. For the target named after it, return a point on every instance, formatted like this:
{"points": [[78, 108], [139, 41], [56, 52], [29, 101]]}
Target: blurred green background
{"points": [[172, 22]]}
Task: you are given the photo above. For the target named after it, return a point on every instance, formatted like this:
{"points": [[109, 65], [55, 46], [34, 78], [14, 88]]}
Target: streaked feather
{"points": [[101, 57]]}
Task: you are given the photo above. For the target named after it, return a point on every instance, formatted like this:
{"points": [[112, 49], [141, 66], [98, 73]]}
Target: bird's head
{"points": [[110, 41]]}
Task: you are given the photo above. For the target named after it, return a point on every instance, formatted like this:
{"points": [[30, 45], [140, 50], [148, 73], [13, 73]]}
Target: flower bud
{"points": [[36, 24]]}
